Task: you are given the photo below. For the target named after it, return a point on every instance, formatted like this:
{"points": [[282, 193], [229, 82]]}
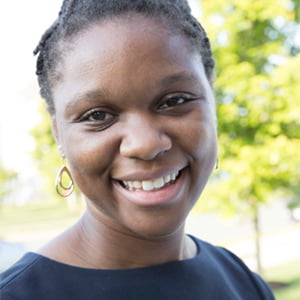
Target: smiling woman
{"points": [[129, 92]]}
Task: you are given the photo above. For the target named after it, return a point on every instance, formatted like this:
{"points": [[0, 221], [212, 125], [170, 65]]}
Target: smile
{"points": [[151, 185]]}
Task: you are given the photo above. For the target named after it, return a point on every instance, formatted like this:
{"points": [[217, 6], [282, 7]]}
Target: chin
{"points": [[158, 224]]}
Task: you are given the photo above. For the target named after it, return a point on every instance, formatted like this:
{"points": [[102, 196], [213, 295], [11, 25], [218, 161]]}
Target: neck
{"points": [[96, 244]]}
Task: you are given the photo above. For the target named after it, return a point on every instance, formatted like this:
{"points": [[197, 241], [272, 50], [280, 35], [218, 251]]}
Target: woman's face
{"points": [[135, 117]]}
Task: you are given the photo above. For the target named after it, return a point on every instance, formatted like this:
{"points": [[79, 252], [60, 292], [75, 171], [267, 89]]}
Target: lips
{"points": [[158, 191], [150, 185]]}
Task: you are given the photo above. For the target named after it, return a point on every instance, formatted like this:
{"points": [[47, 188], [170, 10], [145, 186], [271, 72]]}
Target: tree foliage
{"points": [[257, 88]]}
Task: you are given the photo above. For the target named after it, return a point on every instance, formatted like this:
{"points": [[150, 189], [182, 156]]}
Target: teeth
{"points": [[167, 178], [158, 183], [130, 185], [147, 185], [150, 185], [137, 184]]}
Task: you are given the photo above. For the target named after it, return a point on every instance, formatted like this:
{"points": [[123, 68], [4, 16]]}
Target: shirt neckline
{"points": [[38, 256]]}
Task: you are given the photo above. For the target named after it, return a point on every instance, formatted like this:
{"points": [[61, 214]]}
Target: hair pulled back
{"points": [[76, 15]]}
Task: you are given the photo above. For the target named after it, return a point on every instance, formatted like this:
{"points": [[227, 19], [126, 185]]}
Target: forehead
{"points": [[131, 30], [122, 30], [126, 49]]}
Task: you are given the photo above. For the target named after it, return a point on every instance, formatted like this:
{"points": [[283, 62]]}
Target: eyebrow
{"points": [[181, 76], [90, 96]]}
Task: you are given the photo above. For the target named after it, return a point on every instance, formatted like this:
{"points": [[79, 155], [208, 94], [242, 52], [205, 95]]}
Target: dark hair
{"points": [[76, 15]]}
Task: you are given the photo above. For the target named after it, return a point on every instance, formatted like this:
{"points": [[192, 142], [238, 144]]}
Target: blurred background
{"points": [[252, 202]]}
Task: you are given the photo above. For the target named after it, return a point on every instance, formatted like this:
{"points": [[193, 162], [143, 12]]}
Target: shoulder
{"points": [[18, 269], [21, 276], [233, 267]]}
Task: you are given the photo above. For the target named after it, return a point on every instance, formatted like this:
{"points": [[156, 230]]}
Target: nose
{"points": [[144, 139]]}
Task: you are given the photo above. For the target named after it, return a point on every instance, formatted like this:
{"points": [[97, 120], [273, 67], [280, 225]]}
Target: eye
{"points": [[98, 118], [173, 101], [95, 116]]}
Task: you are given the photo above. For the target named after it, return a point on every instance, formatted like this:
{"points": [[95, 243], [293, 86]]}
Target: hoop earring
{"points": [[61, 189]]}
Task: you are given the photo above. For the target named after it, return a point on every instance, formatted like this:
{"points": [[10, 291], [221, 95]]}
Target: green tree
{"points": [[257, 88]]}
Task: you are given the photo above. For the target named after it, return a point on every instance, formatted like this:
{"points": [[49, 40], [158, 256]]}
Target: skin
{"points": [[114, 121]]}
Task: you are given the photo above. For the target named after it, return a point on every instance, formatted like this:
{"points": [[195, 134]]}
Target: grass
{"points": [[285, 281], [35, 218]]}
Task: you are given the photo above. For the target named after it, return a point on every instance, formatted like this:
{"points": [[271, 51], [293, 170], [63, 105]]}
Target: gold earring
{"points": [[64, 190]]}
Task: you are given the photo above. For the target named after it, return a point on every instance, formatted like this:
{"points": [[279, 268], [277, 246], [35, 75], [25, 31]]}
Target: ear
{"points": [[54, 129], [56, 135]]}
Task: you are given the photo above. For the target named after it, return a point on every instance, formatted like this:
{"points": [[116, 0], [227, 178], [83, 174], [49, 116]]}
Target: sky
{"points": [[22, 23]]}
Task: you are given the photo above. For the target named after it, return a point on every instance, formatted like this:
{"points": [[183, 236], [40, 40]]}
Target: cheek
{"points": [[90, 153], [203, 149], [199, 136], [201, 146]]}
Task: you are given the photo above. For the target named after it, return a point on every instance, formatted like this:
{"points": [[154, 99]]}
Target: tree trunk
{"points": [[256, 223]]}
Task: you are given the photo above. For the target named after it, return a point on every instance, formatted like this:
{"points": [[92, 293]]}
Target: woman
{"points": [[129, 90]]}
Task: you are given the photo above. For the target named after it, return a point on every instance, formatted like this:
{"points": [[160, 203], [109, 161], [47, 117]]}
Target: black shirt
{"points": [[214, 273]]}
